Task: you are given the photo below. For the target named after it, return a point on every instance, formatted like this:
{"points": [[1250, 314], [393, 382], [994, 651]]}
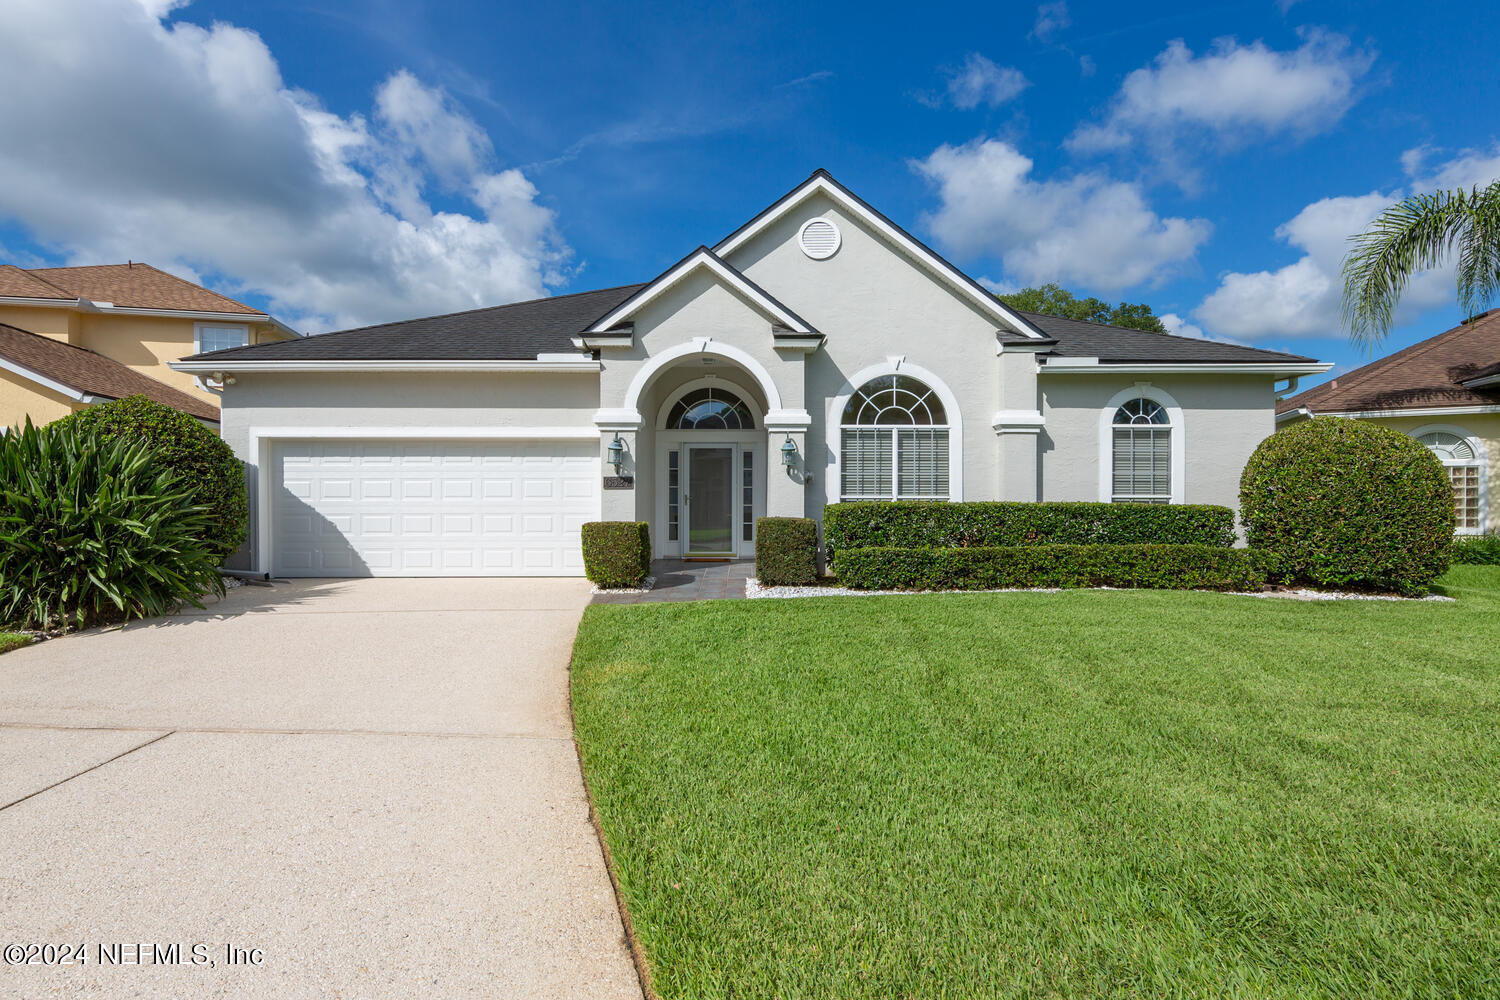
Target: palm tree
{"points": [[1413, 235]]}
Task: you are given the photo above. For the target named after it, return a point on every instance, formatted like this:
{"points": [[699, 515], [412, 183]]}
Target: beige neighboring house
{"points": [[1443, 391], [73, 336]]}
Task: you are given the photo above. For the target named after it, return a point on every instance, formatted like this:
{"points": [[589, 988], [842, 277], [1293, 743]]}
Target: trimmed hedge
{"points": [[1348, 504], [617, 553], [1477, 550], [786, 551], [181, 444], [913, 524], [93, 530], [1168, 567]]}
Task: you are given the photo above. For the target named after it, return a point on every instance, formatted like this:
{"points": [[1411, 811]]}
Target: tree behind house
{"points": [[1057, 301]]}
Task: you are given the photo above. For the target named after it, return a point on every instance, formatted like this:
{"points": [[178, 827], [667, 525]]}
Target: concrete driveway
{"points": [[371, 782]]}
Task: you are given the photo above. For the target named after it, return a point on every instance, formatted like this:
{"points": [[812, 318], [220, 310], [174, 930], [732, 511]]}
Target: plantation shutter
{"points": [[923, 456], [866, 468], [1142, 463]]}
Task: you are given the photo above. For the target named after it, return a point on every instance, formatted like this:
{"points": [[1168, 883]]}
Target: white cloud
{"points": [[1302, 299], [979, 81], [1175, 324], [182, 146], [1050, 19], [1086, 228], [1234, 94]]}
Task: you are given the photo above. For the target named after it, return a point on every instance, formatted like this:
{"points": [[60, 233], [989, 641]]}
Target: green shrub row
{"points": [[1171, 567], [910, 524], [786, 551], [182, 445], [1347, 504], [1477, 550], [617, 553], [92, 529]]}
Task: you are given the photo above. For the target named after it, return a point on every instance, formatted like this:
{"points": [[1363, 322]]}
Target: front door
{"points": [[710, 500]]}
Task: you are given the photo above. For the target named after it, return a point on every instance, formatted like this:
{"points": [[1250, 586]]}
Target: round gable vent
{"points": [[819, 239]]}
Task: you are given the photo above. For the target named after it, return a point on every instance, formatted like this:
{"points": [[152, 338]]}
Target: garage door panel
{"points": [[457, 508]]}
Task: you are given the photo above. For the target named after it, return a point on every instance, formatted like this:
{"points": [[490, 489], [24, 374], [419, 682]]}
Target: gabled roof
{"points": [[81, 373], [1429, 374], [518, 331], [1120, 345], [128, 286], [822, 182], [702, 259]]}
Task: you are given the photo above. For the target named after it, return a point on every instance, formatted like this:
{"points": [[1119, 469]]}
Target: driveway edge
{"points": [[637, 953]]}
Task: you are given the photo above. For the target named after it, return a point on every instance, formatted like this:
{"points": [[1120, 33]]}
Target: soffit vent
{"points": [[819, 239]]}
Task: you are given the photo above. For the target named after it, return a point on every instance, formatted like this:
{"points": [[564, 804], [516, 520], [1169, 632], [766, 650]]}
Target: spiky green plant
{"points": [[92, 530], [1415, 234]]}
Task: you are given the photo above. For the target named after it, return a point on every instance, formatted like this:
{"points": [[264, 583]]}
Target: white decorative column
{"points": [[618, 500], [786, 488], [1018, 425]]}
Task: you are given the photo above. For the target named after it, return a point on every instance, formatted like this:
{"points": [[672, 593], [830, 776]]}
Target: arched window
{"points": [[1142, 453], [710, 409], [1465, 467], [894, 442]]}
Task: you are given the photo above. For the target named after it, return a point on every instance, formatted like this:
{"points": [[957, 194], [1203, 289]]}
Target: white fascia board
{"points": [[1092, 366], [705, 260], [1300, 412], [597, 343], [77, 395], [237, 367], [804, 344], [27, 300], [86, 305], [950, 275], [1421, 411], [1480, 383]]}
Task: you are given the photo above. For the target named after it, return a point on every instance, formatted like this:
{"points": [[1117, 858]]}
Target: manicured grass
{"points": [[1084, 794], [12, 640]]}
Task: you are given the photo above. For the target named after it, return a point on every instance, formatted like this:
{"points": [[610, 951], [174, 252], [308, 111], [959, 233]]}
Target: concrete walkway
{"points": [[689, 580], [372, 782]]}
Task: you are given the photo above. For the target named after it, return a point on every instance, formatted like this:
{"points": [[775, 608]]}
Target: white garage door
{"points": [[432, 508]]}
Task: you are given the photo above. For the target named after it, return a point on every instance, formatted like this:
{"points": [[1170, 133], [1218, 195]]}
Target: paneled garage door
{"points": [[432, 508]]}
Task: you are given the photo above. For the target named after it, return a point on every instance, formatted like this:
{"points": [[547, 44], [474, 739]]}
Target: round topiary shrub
{"points": [[1348, 504], [181, 445]]}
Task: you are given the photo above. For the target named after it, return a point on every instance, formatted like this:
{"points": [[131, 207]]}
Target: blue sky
{"points": [[350, 163]]}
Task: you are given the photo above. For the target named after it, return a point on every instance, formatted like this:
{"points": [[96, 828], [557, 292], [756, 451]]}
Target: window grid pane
{"points": [[748, 496], [1465, 480], [1142, 463], [672, 495], [866, 472], [220, 338]]}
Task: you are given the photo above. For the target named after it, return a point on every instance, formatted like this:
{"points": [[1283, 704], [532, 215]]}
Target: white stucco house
{"points": [[818, 353]]}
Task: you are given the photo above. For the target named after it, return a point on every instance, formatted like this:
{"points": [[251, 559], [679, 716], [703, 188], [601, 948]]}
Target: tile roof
{"points": [[94, 374], [136, 286], [516, 332], [1427, 375], [523, 330]]}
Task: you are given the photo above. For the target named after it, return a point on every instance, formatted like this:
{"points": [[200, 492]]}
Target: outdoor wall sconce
{"points": [[617, 453], [789, 454]]}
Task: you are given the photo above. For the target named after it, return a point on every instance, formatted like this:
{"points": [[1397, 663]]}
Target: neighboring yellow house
{"points": [[1443, 391], [131, 317]]}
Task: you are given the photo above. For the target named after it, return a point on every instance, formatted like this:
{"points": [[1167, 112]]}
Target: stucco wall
{"points": [[59, 324], [20, 397], [1484, 426], [1225, 417]]}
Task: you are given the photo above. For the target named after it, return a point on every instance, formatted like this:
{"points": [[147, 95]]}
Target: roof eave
{"points": [[1097, 366], [335, 366]]}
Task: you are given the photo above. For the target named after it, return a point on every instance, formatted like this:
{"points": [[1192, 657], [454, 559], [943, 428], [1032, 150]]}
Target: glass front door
{"points": [[710, 499]]}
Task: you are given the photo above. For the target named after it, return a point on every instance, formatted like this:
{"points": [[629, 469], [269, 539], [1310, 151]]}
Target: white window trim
{"points": [[898, 366], [1177, 440], [711, 382], [1481, 459], [198, 333]]}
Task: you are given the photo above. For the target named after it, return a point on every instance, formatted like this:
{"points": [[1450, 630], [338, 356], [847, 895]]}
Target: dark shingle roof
{"points": [[92, 373], [523, 330], [516, 332], [1114, 344], [1429, 373]]}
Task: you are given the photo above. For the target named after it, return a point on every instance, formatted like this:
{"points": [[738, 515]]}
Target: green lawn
{"points": [[1084, 794], [12, 640]]}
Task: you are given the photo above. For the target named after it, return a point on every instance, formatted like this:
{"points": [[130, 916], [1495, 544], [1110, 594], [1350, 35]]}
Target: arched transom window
{"points": [[710, 409], [1465, 471], [894, 442], [1142, 453]]}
